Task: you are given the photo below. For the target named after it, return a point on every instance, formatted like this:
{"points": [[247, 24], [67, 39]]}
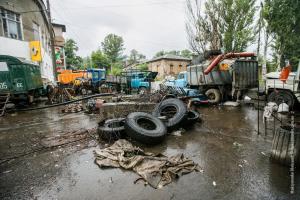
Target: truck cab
{"points": [[181, 80], [96, 76], [283, 92], [139, 80]]}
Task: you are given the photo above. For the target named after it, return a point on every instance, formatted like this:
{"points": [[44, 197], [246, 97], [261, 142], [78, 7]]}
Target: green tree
{"points": [[72, 60], [113, 47], [160, 53], [99, 60], [135, 57], [186, 53], [226, 24], [237, 17], [86, 63], [116, 69], [143, 66], [283, 19]]}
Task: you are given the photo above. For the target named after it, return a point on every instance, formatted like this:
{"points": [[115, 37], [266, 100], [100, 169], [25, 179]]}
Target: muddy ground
{"points": [[226, 145]]}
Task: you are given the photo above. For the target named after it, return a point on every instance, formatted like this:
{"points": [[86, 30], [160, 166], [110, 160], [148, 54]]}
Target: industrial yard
{"points": [[152, 99], [230, 153]]}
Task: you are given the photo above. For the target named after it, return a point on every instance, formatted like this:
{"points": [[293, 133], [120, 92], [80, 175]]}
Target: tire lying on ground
{"points": [[173, 109], [192, 118], [281, 146], [112, 129], [214, 96], [145, 128]]}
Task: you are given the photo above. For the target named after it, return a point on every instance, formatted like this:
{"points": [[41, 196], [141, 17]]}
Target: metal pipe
{"points": [[221, 57], [67, 102]]}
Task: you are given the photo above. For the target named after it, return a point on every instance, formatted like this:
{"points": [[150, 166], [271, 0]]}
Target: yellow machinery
{"points": [[69, 76]]}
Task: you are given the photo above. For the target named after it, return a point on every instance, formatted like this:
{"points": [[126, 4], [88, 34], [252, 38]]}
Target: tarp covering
{"points": [[156, 170]]}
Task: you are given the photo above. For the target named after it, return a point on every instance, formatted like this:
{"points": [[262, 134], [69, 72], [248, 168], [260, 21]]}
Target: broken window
{"points": [[11, 24]]}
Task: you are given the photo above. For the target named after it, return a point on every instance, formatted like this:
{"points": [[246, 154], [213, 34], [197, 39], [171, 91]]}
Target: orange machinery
{"points": [[69, 76]]}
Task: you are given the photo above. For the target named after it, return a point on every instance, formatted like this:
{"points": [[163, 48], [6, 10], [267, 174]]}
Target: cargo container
{"points": [[19, 78]]}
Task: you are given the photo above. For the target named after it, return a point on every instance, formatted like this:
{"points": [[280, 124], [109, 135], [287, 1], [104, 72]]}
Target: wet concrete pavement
{"points": [[226, 145]]}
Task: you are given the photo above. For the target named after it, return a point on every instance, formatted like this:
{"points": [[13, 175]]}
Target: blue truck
{"points": [[128, 81], [182, 82]]}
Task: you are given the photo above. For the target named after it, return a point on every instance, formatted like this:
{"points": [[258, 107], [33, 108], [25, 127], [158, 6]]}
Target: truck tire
{"points": [[145, 128], [192, 118], [282, 96], [281, 146], [112, 129], [214, 96], [174, 110], [142, 90]]}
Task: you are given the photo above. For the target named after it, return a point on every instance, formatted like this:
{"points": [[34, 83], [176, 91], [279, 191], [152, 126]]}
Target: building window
{"points": [[180, 67], [11, 24], [36, 31], [171, 69]]}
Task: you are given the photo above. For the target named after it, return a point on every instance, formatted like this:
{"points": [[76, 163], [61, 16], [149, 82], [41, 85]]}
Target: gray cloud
{"points": [[148, 25]]}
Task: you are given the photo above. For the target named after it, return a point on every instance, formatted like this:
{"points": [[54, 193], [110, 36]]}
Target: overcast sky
{"points": [[145, 25]]}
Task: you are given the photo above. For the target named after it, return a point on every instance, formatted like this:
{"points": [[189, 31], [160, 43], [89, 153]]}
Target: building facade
{"points": [[26, 33], [59, 43], [168, 65]]}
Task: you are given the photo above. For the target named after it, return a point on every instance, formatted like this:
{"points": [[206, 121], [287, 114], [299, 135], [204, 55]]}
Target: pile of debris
{"points": [[72, 108], [167, 116], [155, 170]]}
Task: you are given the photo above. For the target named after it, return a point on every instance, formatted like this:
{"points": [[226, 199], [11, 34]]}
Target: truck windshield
{"points": [[95, 75], [181, 76]]}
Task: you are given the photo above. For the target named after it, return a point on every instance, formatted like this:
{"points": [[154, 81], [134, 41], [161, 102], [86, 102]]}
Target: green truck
{"points": [[19, 78]]}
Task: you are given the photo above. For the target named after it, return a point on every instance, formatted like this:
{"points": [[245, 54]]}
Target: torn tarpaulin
{"points": [[157, 170]]}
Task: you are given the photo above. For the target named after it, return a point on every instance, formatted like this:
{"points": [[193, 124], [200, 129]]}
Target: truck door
{"points": [[18, 78], [135, 81], [181, 80]]}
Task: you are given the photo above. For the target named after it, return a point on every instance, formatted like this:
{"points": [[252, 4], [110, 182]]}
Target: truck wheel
{"points": [[214, 96], [145, 128], [142, 90], [281, 96], [192, 118]]}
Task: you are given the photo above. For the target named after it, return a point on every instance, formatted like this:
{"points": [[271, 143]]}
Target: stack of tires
{"points": [[167, 115]]}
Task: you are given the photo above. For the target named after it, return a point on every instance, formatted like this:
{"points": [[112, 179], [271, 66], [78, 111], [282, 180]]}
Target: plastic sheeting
{"points": [[156, 170]]}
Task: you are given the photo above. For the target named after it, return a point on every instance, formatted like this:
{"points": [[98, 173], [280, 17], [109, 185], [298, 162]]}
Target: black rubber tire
{"points": [[214, 96], [280, 96], [145, 128], [112, 129], [177, 118], [192, 118], [281, 146]]}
